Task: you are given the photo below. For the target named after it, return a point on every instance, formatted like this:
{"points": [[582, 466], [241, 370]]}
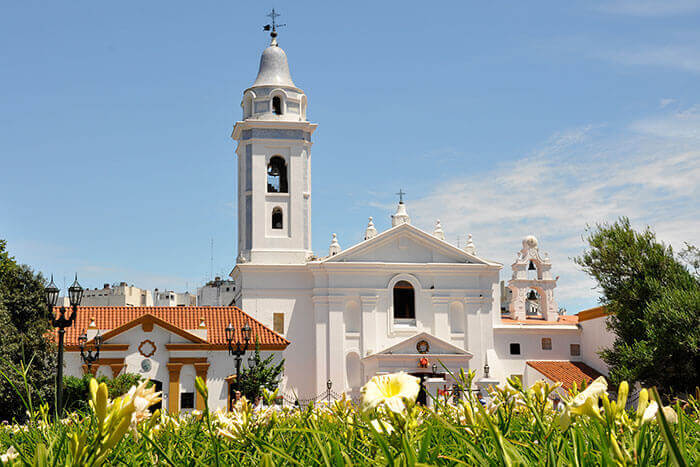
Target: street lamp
{"points": [[434, 369], [238, 348], [89, 358], [329, 385], [75, 295]]}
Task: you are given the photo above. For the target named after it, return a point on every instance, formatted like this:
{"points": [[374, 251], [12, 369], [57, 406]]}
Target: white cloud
{"points": [[649, 7], [648, 172]]}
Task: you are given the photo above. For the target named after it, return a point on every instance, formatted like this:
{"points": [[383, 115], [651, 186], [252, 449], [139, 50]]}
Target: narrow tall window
{"points": [[404, 301], [277, 219], [277, 175], [278, 322], [277, 105]]}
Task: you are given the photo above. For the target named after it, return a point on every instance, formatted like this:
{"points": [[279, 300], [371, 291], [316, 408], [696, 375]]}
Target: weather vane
{"points": [[273, 27], [401, 193]]}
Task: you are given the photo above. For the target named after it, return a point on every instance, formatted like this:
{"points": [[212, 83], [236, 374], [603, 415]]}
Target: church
{"points": [[400, 300]]}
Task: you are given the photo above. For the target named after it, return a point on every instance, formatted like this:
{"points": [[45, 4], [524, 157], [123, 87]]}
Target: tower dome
{"points": [[274, 69]]}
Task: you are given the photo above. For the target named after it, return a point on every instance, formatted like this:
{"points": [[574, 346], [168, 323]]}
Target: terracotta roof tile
{"points": [[562, 319], [186, 318], [565, 371]]}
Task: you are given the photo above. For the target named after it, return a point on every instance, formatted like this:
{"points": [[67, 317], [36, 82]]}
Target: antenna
{"points": [[211, 260]]}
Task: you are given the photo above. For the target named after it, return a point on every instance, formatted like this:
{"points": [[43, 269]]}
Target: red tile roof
{"points": [[562, 319], [566, 372], [181, 320]]}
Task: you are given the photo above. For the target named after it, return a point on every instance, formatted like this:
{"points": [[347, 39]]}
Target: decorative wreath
{"points": [[145, 350], [423, 346]]}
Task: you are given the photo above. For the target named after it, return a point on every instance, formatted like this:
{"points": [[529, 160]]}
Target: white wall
{"points": [[594, 337]]}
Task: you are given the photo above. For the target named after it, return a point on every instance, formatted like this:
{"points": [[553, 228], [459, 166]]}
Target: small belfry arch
{"points": [[248, 102], [278, 102], [277, 218], [277, 175]]}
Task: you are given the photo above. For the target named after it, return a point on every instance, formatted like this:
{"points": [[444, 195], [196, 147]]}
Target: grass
{"points": [[518, 427]]}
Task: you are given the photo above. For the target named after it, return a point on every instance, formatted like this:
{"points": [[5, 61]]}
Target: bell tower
{"points": [[274, 165]]}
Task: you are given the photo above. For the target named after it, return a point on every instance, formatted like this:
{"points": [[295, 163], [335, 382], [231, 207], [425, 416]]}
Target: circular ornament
{"points": [[146, 365], [147, 348], [422, 346]]}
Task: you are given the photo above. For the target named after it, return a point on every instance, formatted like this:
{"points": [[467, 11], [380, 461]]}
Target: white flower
{"points": [[382, 427], [593, 391], [653, 408], [650, 411], [391, 390], [11, 454], [142, 398]]}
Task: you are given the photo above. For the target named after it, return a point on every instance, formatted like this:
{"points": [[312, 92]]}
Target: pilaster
{"points": [[174, 387], [369, 324]]}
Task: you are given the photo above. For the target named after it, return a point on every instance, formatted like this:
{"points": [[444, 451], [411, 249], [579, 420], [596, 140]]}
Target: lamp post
{"points": [[75, 295], [329, 385], [238, 349], [89, 358]]}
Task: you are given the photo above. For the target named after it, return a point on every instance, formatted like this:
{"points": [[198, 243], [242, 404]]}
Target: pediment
{"points": [[149, 320], [436, 347], [405, 244]]}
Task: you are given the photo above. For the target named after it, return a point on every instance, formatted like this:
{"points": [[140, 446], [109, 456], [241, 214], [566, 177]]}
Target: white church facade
{"points": [[400, 300]]}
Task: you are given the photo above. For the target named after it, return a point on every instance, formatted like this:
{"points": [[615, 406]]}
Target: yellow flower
{"points": [[390, 390], [585, 403]]}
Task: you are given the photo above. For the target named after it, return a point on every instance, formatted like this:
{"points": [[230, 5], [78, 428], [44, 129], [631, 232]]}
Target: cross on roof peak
{"points": [[401, 194], [273, 26]]}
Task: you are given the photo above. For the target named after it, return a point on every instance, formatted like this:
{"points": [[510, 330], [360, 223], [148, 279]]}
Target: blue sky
{"points": [[500, 120]]}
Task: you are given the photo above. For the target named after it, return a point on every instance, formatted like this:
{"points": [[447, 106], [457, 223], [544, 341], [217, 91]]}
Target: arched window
{"points": [[404, 301], [277, 218], [277, 105], [277, 175]]}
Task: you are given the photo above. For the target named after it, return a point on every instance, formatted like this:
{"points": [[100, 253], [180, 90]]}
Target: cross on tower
{"points": [[273, 27], [401, 193]]}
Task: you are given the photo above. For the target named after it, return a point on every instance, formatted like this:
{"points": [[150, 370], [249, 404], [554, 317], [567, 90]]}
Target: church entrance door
{"points": [[422, 395]]}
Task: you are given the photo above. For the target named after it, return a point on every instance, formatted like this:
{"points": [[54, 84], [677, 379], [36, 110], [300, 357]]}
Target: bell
{"points": [[532, 295]]}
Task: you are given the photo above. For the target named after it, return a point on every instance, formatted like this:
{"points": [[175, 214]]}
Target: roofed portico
{"points": [[417, 354]]}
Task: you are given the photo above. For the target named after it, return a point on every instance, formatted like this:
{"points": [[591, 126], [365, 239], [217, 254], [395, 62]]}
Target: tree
{"points": [[25, 337], [654, 305], [265, 374]]}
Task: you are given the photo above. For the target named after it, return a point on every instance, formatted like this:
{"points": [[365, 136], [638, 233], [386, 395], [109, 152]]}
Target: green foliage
{"points": [[654, 305], [264, 375], [76, 390], [520, 427], [25, 324]]}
